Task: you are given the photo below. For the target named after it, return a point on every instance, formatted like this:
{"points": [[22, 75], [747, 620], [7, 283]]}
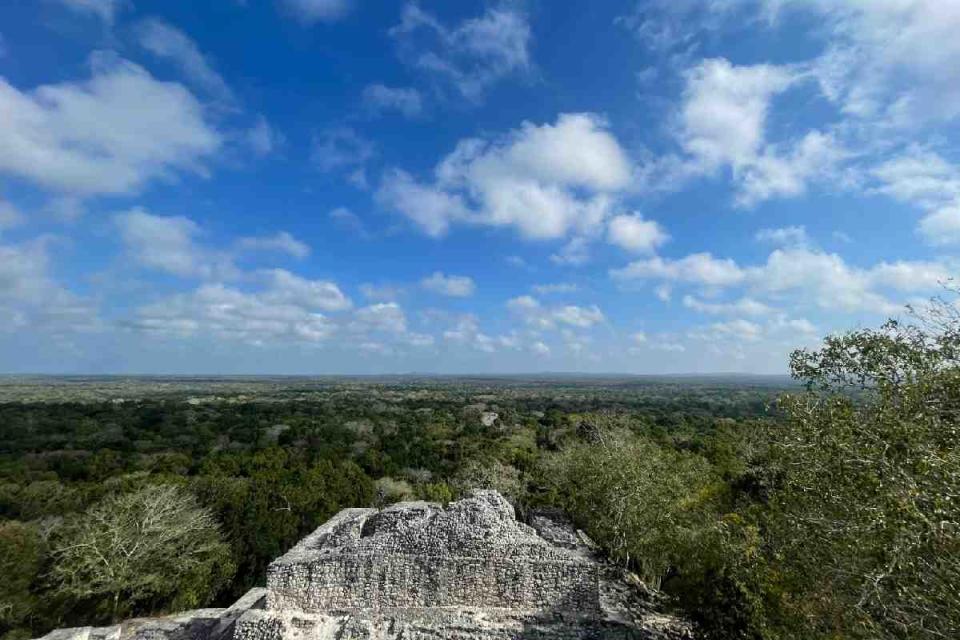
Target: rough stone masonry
{"points": [[417, 570]]}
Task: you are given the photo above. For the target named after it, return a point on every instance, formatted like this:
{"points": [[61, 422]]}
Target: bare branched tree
{"points": [[151, 548]]}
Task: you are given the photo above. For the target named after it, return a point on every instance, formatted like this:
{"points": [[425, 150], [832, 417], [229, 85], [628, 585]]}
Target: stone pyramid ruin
{"points": [[418, 570]]}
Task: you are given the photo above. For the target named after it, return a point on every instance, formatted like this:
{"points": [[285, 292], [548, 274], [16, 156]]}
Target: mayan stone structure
{"points": [[418, 570]]}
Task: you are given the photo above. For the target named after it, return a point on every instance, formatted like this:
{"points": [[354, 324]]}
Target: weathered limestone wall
{"points": [[417, 555], [446, 624], [369, 581]]}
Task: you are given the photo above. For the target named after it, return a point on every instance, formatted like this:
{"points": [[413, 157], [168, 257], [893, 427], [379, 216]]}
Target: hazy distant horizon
{"points": [[408, 374]]}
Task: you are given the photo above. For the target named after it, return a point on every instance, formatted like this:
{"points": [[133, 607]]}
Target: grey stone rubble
{"points": [[417, 570]]}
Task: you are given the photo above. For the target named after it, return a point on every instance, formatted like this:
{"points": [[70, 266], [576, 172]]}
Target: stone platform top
{"points": [[415, 555], [478, 525]]}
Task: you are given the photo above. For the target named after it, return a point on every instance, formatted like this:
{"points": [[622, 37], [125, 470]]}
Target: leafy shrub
{"points": [[864, 523], [490, 474], [390, 490], [646, 504]]}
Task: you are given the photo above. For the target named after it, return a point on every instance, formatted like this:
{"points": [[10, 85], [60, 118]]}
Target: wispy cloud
{"points": [[472, 55], [310, 12], [169, 43]]}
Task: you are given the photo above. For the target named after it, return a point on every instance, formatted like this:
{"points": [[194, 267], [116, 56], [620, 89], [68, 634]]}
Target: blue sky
{"points": [[341, 186]]}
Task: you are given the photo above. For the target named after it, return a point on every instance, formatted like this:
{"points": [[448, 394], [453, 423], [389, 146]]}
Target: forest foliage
{"points": [[827, 510]]}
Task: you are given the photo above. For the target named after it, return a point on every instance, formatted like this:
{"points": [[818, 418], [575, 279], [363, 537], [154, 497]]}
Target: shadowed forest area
{"points": [[822, 508]]}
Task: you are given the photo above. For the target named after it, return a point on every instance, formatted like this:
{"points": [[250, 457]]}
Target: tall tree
{"points": [[151, 549], [864, 523]]}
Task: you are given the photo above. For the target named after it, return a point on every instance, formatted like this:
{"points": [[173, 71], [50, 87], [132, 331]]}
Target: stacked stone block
{"points": [[473, 554]]}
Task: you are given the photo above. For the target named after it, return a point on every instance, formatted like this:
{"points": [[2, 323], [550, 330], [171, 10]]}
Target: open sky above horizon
{"points": [[346, 186]]}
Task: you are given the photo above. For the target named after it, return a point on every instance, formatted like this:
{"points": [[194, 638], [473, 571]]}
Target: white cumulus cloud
{"points": [[544, 180], [634, 233], [89, 137], [890, 60], [928, 181], [288, 288], [796, 274], [723, 124], [724, 112], [168, 244], [697, 268], [449, 285], [536, 315]]}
